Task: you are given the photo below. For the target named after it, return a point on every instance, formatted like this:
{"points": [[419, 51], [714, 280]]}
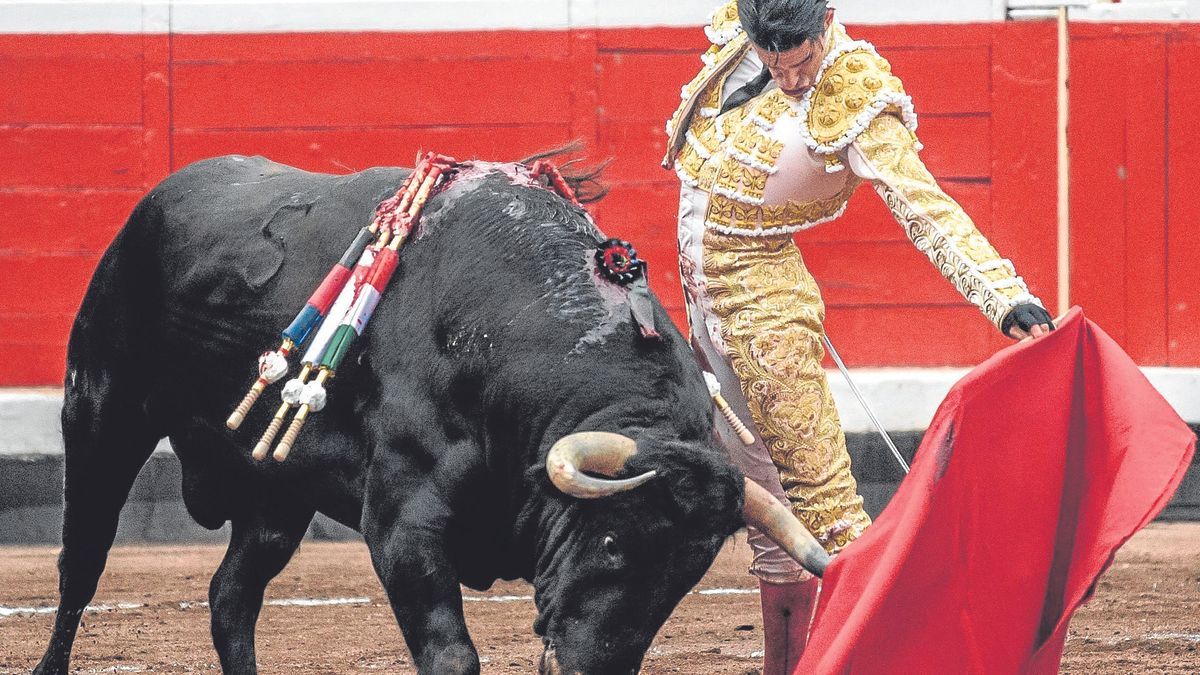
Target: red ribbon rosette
{"points": [[618, 262]]}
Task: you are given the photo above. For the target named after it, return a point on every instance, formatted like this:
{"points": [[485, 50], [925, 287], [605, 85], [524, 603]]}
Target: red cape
{"points": [[1037, 467]]}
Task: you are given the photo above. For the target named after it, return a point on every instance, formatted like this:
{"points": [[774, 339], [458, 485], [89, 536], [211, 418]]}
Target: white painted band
{"points": [[1101, 11], [904, 399], [319, 602], [273, 16], [364, 307], [284, 16]]}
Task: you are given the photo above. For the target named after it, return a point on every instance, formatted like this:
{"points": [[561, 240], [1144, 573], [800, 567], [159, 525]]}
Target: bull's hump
{"points": [[534, 244], [228, 168]]}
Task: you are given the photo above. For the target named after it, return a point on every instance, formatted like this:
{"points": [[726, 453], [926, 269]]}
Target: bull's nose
{"points": [[549, 665]]}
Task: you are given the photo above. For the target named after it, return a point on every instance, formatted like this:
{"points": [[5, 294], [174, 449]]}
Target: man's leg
{"points": [[787, 611], [771, 316]]}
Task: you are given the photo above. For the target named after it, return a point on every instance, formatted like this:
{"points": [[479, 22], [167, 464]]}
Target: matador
{"points": [[787, 118]]}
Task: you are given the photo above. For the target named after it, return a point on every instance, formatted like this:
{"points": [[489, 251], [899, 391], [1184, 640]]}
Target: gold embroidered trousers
{"points": [[771, 315]]}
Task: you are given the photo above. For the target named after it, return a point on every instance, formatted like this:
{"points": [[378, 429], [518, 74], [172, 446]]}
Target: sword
{"points": [[862, 401]]}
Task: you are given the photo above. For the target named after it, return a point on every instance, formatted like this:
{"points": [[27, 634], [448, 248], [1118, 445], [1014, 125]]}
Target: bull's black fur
{"points": [[494, 340]]}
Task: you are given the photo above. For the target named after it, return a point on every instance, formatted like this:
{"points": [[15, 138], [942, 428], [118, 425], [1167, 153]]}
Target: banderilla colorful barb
{"points": [[338, 311]]}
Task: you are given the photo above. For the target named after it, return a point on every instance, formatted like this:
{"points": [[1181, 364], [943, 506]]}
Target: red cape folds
{"points": [[1037, 467]]}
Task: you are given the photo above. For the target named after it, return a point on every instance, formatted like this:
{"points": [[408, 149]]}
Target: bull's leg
{"points": [[426, 600], [259, 548], [406, 536], [107, 439]]}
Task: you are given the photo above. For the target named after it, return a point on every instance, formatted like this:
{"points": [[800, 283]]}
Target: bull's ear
{"points": [[537, 478]]}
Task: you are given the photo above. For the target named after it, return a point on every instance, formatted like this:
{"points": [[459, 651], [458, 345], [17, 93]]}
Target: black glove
{"points": [[1025, 316]]}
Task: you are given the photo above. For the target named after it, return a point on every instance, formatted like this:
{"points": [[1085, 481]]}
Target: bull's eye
{"points": [[610, 546]]}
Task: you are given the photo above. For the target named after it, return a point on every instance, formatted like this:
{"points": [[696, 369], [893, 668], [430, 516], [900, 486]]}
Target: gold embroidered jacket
{"points": [[778, 165]]}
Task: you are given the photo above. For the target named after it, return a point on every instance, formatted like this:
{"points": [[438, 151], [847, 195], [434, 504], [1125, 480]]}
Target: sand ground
{"points": [[1144, 617]]}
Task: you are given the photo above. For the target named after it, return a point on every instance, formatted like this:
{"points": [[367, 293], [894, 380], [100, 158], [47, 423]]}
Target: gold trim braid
{"points": [[706, 86], [734, 156], [936, 224], [771, 312]]}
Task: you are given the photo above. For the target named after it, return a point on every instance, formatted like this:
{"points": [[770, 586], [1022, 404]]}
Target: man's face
{"points": [[795, 70]]}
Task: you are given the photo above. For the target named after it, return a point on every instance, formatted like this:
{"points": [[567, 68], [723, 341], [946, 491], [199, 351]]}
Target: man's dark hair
{"points": [[776, 26], [782, 25]]}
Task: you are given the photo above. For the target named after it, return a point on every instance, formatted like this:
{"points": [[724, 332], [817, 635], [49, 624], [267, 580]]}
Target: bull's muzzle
{"points": [[549, 665], [599, 452]]}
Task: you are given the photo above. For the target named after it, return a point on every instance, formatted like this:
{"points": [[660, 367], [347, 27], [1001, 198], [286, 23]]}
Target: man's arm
{"points": [[886, 153]]}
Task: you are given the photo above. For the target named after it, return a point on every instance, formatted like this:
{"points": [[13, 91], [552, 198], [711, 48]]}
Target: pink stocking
{"points": [[787, 610]]}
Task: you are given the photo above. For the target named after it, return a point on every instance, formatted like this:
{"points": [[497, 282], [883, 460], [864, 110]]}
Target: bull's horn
{"points": [[764, 512], [596, 451]]}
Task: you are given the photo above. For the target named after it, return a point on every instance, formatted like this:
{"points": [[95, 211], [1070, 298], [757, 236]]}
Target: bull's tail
{"points": [[106, 433]]}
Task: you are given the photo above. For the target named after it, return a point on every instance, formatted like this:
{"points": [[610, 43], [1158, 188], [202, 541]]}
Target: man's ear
{"points": [[828, 17]]}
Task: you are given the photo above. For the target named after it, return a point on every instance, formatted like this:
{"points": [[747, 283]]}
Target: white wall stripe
{"points": [[1128, 11], [269, 16], [905, 399], [72, 17], [274, 16]]}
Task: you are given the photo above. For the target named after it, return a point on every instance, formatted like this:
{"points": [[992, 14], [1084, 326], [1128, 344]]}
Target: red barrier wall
{"points": [[89, 122]]}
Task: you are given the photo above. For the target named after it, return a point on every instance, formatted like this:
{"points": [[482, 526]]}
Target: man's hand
{"points": [[1027, 321]]}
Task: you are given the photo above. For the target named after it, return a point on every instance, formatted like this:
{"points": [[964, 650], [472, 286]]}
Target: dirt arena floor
{"points": [[326, 614]]}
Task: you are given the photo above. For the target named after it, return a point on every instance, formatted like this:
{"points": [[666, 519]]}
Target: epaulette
{"points": [[854, 85], [723, 24]]}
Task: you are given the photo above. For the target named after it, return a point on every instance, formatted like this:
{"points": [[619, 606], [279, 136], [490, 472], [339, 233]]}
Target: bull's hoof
{"points": [[454, 660]]}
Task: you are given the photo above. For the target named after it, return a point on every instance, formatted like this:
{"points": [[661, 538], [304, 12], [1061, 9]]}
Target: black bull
{"points": [[495, 340]]}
